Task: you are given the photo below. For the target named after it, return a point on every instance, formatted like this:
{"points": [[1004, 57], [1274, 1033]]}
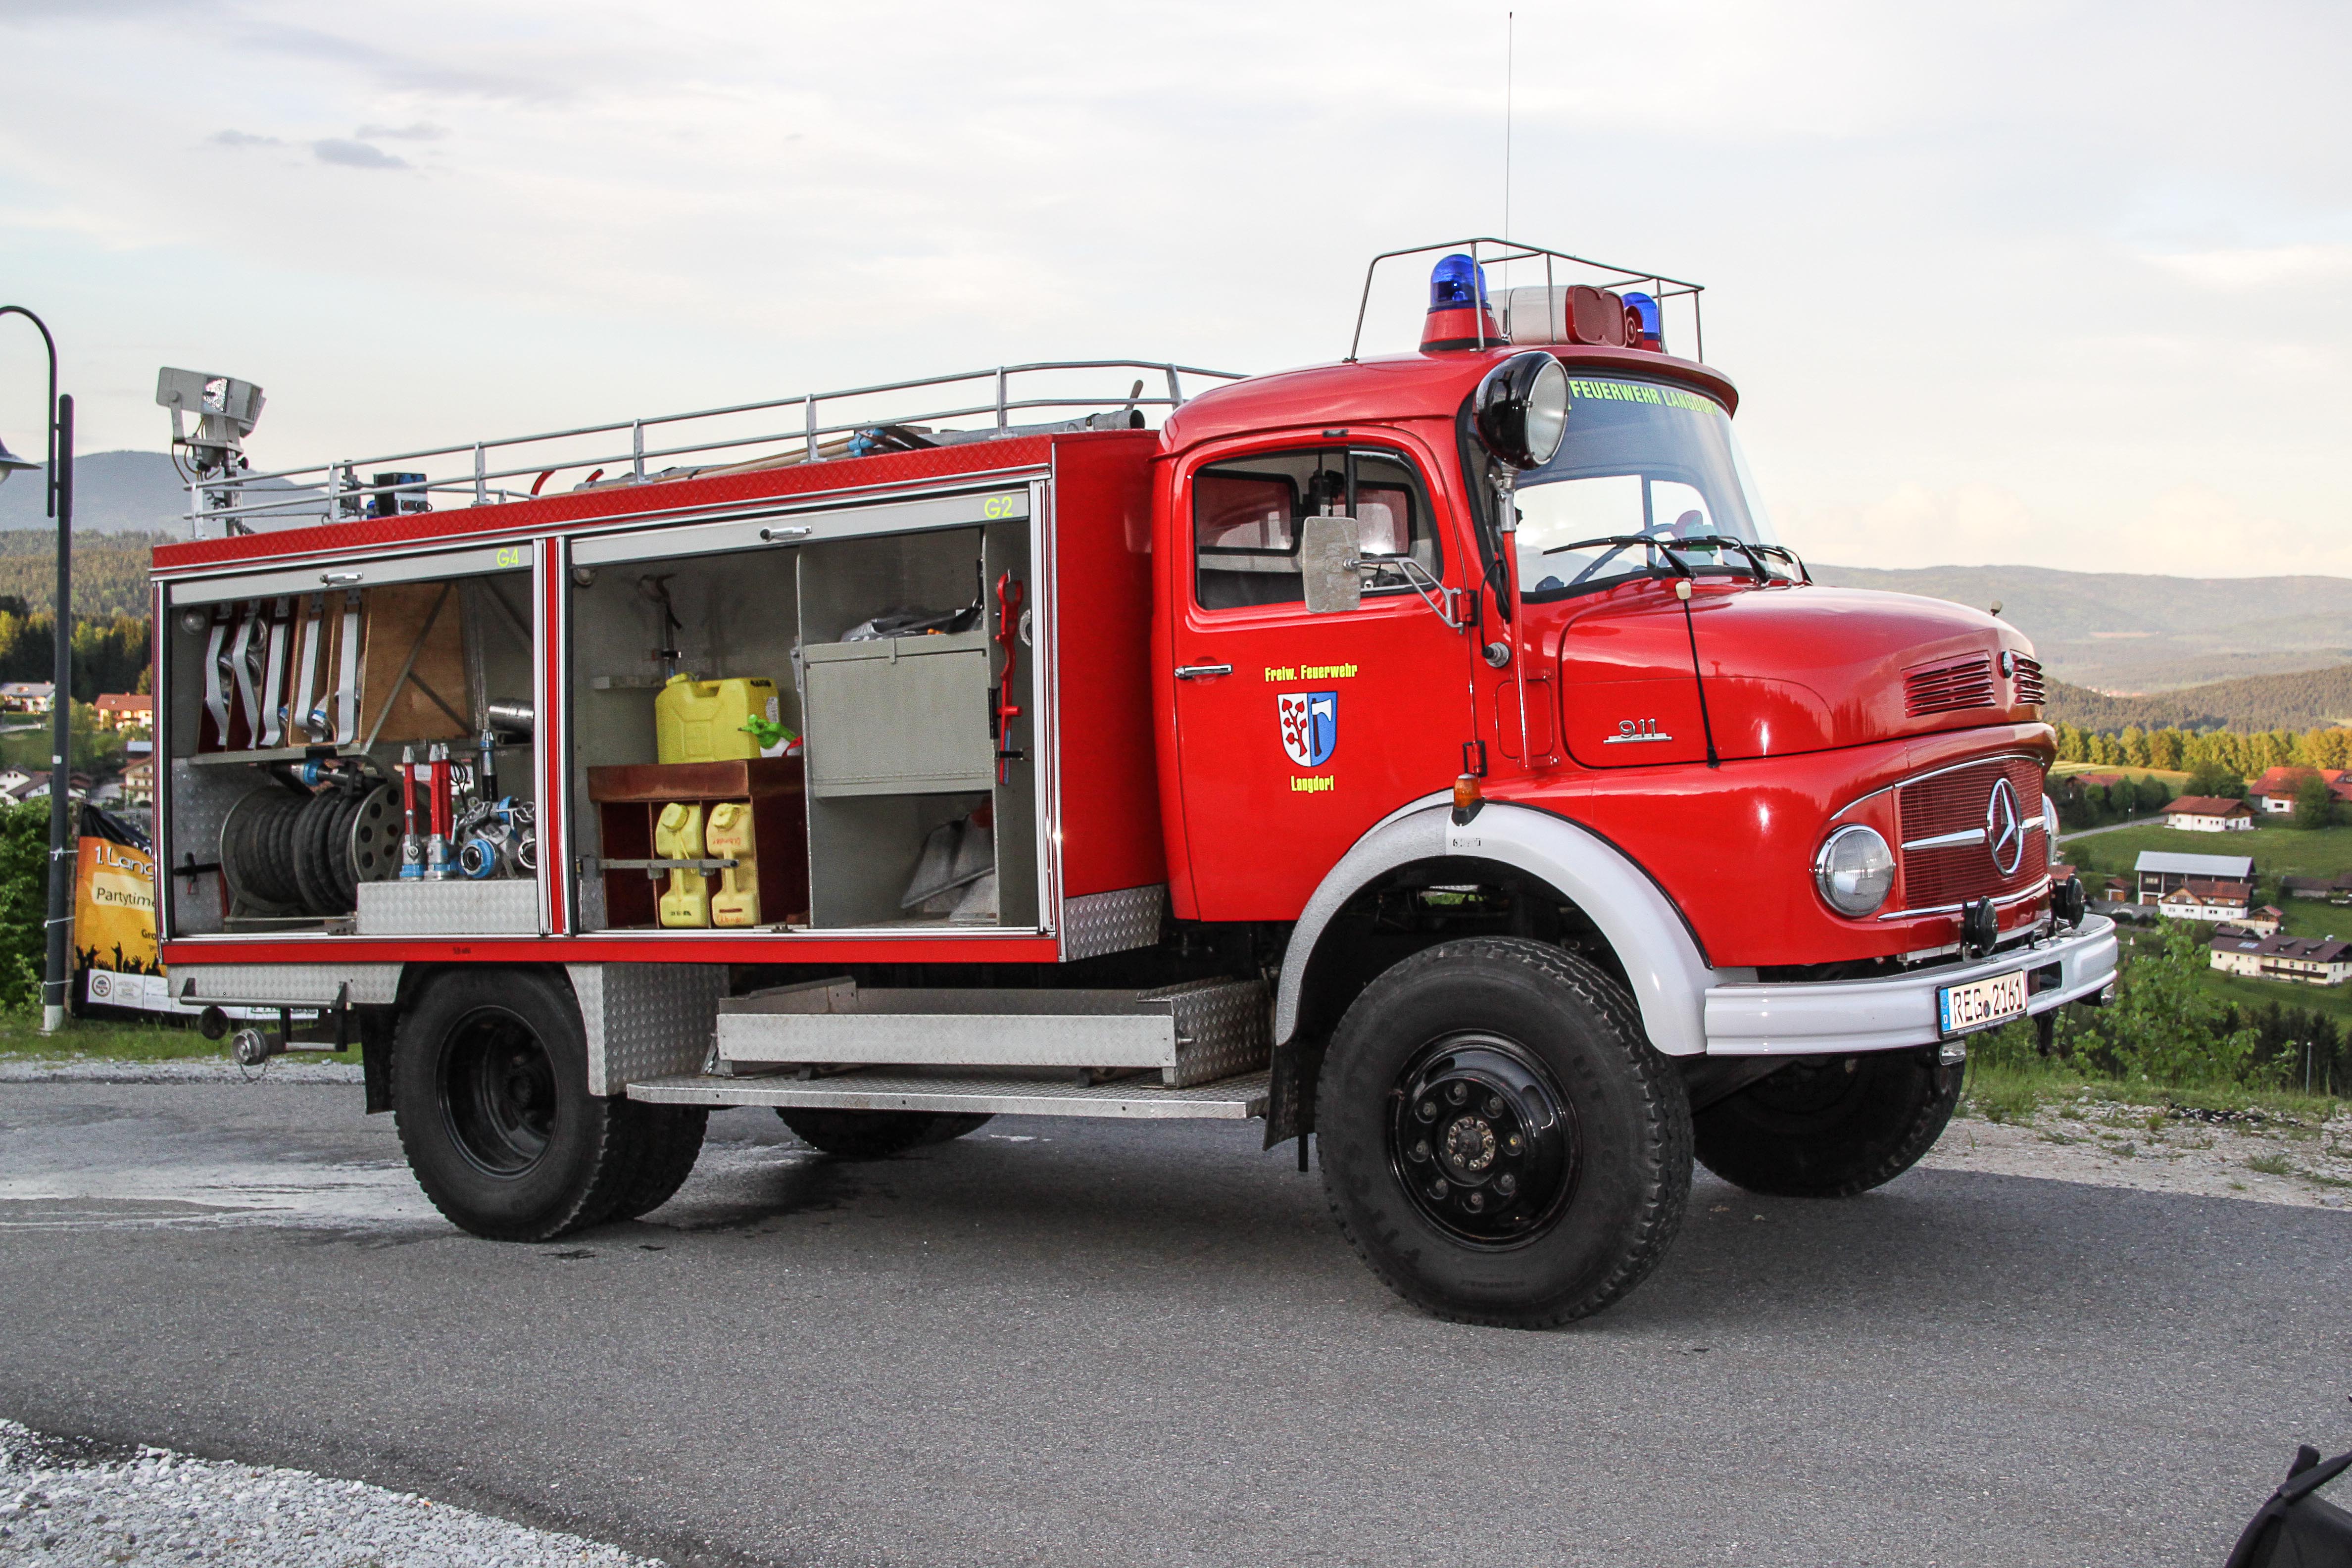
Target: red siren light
{"points": [[1459, 314]]}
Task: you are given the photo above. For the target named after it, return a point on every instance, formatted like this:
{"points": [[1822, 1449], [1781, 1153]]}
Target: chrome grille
{"points": [[1955, 802], [1949, 687], [2029, 682]]}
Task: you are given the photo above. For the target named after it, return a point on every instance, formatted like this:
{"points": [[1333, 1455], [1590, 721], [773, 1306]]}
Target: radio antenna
{"points": [[1510, 26]]}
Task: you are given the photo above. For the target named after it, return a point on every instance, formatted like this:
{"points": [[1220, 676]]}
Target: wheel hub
{"points": [[1482, 1141], [497, 1092]]}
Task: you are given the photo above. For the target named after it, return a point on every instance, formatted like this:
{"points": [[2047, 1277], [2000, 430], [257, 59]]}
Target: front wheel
{"points": [[1830, 1126], [1498, 1139], [491, 1094]]}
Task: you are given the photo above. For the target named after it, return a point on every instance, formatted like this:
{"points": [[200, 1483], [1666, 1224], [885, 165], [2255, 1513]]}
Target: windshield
{"points": [[1642, 461]]}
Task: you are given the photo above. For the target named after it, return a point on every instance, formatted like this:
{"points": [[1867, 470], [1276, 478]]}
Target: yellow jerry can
{"points": [[728, 837], [677, 835], [702, 721]]}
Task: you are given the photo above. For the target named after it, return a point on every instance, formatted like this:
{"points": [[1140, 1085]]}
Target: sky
{"points": [[2058, 284]]}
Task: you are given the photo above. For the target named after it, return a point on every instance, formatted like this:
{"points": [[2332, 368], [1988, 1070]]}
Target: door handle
{"points": [[1195, 671]]}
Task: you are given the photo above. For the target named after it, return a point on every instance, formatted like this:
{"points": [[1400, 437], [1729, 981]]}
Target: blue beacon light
{"points": [[1459, 316], [1653, 327]]}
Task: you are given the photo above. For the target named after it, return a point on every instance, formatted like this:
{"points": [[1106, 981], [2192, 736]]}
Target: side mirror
{"points": [[1328, 551]]}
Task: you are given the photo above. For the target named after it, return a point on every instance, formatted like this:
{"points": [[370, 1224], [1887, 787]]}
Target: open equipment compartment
{"points": [[922, 799], [899, 736], [292, 698]]}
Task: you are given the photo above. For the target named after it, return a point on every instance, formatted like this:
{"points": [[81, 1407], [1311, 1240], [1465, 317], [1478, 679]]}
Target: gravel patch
{"points": [[198, 1069], [2229, 1155], [70, 1500]]}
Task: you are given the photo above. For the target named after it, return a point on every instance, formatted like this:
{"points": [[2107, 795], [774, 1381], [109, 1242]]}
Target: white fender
{"points": [[1662, 962]]}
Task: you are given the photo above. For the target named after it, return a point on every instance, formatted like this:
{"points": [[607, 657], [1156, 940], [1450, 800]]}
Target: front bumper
{"points": [[1836, 1016]]}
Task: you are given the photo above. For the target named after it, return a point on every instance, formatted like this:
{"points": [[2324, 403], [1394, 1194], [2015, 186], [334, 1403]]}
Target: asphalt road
{"points": [[1089, 1343]]}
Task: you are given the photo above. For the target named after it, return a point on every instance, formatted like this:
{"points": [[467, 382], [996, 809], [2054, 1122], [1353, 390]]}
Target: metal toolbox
{"points": [[900, 716]]}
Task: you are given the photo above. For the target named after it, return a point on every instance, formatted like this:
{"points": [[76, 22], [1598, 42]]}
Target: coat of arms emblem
{"points": [[1310, 726]]}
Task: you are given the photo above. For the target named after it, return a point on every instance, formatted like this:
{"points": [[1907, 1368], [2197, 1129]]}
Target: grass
{"points": [[2278, 848], [2174, 780], [105, 1039], [2014, 1093]]}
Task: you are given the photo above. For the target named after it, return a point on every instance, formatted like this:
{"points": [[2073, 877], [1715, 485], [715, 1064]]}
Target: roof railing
{"points": [[1488, 252], [475, 473]]}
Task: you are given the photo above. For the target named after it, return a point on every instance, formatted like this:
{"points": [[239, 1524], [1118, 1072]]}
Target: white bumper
{"points": [[1831, 1018]]}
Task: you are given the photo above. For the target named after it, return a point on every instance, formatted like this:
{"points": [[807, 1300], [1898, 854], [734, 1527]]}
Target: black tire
{"points": [[670, 1141], [876, 1134], [1832, 1127], [490, 1092], [1499, 1141]]}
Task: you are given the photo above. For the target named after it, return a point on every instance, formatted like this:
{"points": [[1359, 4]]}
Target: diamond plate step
{"points": [[1228, 1099]]}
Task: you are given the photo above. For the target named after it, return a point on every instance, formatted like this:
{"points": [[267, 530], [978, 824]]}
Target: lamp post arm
{"points": [[49, 409]]}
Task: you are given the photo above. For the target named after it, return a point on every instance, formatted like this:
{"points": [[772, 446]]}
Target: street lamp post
{"points": [[58, 415]]}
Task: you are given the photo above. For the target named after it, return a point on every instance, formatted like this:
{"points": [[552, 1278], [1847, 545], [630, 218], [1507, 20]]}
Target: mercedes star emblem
{"points": [[2004, 828]]}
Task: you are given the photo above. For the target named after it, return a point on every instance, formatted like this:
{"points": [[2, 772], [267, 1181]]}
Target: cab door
{"points": [[1296, 732]]}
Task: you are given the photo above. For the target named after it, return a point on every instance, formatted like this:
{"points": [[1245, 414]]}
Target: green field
{"points": [[2279, 849]]}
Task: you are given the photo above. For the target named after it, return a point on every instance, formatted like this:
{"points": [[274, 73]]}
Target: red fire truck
{"points": [[1436, 755]]}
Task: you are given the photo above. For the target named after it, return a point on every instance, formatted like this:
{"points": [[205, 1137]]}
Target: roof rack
{"points": [[1599, 274], [704, 441]]}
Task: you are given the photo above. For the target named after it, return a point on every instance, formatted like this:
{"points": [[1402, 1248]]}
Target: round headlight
{"points": [[1855, 870], [1522, 409]]}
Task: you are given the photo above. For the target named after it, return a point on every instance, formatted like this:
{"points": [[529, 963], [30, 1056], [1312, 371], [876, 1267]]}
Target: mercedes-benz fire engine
{"points": [[1435, 755]]}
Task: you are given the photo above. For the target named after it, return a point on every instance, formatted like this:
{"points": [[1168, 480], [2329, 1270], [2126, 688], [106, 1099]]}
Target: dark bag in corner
{"points": [[2296, 1527]]}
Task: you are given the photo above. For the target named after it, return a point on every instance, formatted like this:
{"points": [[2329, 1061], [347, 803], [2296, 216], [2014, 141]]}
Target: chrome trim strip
{"points": [[2020, 896], [1948, 840]]}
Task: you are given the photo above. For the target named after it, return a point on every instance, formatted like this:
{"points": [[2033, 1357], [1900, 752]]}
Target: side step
{"points": [[1238, 1099], [1196, 1033]]}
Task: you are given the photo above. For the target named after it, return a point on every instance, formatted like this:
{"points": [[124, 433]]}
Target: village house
{"points": [[2335, 890], [126, 711], [138, 783], [2201, 900], [2311, 960], [2208, 814], [2272, 794], [26, 696], [2264, 922], [2159, 872]]}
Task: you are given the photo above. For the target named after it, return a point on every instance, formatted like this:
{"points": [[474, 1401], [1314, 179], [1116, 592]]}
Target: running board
{"points": [[1186, 1034], [1238, 1099]]}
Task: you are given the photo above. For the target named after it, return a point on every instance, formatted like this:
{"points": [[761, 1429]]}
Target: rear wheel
{"points": [[1830, 1128], [490, 1093], [1498, 1139], [875, 1134]]}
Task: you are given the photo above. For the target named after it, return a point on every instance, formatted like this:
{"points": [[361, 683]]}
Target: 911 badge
{"points": [[1310, 726]]}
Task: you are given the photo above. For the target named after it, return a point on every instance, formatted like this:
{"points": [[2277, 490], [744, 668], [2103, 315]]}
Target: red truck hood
{"points": [[1787, 669]]}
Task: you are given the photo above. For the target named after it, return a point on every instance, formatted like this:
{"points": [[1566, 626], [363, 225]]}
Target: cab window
{"points": [[1246, 516]]}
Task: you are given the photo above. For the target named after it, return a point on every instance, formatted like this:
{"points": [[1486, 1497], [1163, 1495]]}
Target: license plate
{"points": [[1980, 1004]]}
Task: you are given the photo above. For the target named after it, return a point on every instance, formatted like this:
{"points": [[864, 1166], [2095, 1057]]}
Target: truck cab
{"points": [[1436, 755]]}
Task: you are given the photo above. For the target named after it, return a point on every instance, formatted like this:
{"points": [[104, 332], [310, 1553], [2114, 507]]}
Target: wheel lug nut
{"points": [[1428, 1110], [1475, 1202], [1438, 1189], [1512, 1142], [1506, 1184], [1420, 1149], [1457, 1093], [1494, 1105]]}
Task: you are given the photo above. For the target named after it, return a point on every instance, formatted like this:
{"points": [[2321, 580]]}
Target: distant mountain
{"points": [[2298, 701], [2125, 632], [114, 492]]}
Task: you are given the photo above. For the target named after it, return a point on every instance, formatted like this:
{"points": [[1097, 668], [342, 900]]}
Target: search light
{"points": [[1520, 409], [12, 464]]}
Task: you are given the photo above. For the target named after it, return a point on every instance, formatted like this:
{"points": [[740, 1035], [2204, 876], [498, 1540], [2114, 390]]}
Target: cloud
{"points": [[420, 131], [243, 139], [2260, 267], [355, 154]]}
